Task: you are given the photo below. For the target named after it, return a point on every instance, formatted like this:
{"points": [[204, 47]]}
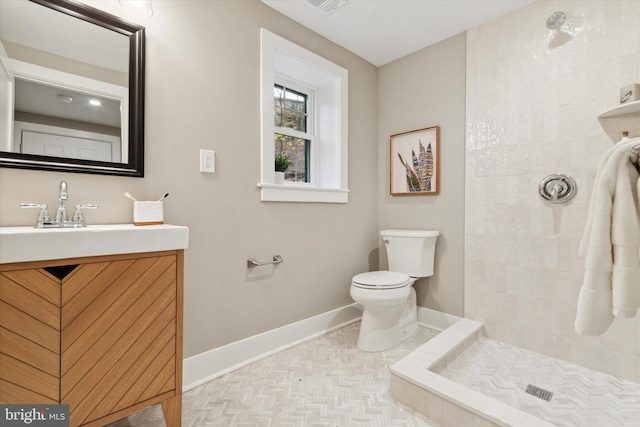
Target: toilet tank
{"points": [[411, 251]]}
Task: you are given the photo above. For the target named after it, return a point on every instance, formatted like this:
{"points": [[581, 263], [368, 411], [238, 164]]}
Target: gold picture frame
{"points": [[415, 162]]}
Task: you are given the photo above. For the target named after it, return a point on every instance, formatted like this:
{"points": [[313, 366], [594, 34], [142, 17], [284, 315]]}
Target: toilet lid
{"points": [[381, 280]]}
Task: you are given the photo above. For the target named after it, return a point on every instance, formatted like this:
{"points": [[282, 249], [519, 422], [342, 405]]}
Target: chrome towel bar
{"points": [[252, 262]]}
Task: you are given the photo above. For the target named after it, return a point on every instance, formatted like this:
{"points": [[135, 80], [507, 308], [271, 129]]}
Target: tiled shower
{"points": [[533, 98]]}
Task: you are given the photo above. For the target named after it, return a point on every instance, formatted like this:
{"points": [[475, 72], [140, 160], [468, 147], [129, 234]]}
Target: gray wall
{"points": [[422, 90], [203, 92]]}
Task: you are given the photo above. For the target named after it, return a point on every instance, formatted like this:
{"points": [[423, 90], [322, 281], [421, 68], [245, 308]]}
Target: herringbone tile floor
{"points": [[582, 397], [324, 382]]}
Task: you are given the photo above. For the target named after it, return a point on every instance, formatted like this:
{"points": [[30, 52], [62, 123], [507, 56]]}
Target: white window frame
{"points": [[281, 59]]}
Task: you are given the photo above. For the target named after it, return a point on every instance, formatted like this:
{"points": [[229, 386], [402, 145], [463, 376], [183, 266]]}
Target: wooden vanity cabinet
{"points": [[102, 334]]}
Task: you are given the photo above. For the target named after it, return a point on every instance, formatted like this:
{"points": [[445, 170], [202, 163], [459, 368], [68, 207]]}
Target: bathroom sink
{"points": [[21, 244]]}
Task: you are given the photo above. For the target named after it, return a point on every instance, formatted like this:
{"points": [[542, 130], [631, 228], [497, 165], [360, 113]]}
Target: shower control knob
{"points": [[557, 188]]}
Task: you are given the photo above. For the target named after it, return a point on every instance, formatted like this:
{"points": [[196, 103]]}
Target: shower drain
{"points": [[539, 392]]}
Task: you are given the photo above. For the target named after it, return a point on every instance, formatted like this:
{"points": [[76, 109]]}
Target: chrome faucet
{"points": [[62, 217]]}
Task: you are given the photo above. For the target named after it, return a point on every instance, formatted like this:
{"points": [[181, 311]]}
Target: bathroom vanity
{"points": [[95, 323]]}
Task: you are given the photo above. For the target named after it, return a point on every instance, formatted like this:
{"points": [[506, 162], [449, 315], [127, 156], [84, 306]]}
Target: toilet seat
{"points": [[381, 280]]}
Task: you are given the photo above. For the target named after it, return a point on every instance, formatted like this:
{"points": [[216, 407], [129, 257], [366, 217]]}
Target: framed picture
{"points": [[415, 165]]}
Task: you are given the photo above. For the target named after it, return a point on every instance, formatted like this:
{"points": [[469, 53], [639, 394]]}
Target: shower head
{"points": [[555, 21]]}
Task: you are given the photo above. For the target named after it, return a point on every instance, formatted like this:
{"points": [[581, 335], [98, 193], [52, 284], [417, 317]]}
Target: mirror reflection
{"points": [[53, 120], [65, 89]]}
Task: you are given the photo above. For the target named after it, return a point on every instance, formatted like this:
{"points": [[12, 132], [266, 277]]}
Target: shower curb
{"points": [[415, 382]]}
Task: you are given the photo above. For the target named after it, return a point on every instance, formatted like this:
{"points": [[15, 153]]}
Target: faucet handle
{"points": [[43, 217], [78, 217]]}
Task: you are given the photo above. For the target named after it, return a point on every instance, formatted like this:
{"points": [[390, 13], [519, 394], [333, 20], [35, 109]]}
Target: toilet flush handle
{"points": [[386, 241]]}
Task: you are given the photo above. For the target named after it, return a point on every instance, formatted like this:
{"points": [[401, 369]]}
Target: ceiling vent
{"points": [[328, 6]]}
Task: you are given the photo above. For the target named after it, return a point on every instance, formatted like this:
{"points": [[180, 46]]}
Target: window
{"points": [[293, 134], [303, 116]]}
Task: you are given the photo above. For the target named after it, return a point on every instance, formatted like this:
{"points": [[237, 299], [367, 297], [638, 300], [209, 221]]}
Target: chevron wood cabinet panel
{"points": [[102, 334]]}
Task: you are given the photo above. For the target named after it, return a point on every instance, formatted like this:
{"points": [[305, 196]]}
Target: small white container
{"points": [[148, 213]]}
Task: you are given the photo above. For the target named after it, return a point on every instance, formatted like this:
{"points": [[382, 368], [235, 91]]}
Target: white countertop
{"points": [[22, 244]]}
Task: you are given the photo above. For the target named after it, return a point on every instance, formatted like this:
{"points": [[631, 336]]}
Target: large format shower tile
{"points": [[581, 397]]}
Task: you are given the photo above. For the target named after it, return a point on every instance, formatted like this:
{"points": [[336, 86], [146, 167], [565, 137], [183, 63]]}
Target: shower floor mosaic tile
{"points": [[581, 397], [326, 381]]}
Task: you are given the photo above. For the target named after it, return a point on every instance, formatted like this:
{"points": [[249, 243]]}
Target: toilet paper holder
{"points": [[252, 262]]}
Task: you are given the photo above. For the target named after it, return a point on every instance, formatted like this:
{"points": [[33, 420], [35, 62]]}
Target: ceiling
{"points": [[382, 31]]}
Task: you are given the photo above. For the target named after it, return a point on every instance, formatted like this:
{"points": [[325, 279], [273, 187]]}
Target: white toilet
{"points": [[388, 298]]}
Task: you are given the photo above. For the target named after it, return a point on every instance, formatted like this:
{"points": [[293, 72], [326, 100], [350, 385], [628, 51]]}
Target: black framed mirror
{"points": [[72, 99]]}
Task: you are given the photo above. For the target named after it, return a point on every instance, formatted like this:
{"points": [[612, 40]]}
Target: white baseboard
{"points": [[435, 319], [207, 366]]}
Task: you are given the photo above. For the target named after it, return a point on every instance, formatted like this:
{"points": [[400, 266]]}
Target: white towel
{"points": [[586, 236], [613, 219], [625, 236]]}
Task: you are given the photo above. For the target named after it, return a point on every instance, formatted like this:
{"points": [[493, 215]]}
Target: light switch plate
{"points": [[207, 161]]}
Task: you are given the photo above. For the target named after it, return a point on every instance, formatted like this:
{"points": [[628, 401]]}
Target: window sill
{"points": [[303, 194]]}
